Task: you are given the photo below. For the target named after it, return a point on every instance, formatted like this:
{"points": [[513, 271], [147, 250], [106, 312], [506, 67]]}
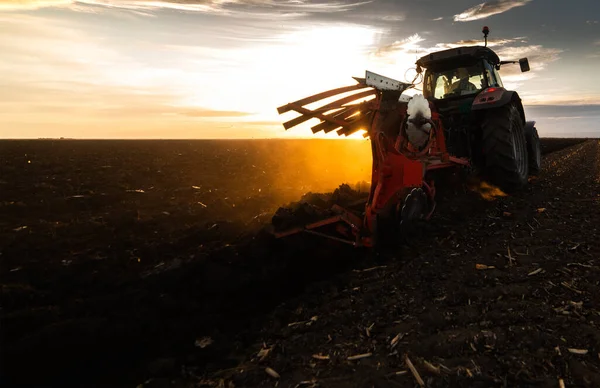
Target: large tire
{"points": [[534, 152], [505, 148]]}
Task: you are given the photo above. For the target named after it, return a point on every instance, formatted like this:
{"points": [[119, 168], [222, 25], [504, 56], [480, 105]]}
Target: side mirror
{"points": [[524, 63]]}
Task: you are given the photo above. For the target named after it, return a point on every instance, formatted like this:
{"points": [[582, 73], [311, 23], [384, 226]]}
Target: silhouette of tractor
{"points": [[465, 119]]}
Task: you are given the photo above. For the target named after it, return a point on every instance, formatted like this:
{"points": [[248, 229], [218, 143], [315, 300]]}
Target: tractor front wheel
{"points": [[505, 148]]}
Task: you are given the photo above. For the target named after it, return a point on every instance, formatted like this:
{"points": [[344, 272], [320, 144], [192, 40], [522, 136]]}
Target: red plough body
{"points": [[400, 188]]}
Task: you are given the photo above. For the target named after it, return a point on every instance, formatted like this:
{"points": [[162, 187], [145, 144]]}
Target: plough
{"points": [[454, 124]]}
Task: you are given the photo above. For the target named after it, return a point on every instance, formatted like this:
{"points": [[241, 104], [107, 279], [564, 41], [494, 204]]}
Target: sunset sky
{"points": [[220, 68]]}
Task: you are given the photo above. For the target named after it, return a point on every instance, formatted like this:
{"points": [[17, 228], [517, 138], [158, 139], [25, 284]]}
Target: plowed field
{"points": [[127, 263]]}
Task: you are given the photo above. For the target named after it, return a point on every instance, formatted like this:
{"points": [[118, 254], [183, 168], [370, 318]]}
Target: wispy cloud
{"points": [[199, 112], [400, 46], [539, 58], [438, 19], [392, 18], [18, 5], [473, 42], [590, 22], [413, 44], [560, 97], [487, 9], [295, 7]]}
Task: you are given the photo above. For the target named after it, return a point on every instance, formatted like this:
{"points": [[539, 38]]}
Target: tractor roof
{"points": [[457, 55]]}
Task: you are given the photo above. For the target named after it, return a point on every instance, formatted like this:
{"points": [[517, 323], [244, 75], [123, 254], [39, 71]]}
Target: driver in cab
{"points": [[463, 84]]}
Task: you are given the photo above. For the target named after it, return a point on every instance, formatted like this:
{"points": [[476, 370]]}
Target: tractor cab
{"points": [[459, 73], [462, 83]]}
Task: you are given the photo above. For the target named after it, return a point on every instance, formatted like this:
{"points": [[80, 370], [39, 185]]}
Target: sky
{"points": [[220, 68]]}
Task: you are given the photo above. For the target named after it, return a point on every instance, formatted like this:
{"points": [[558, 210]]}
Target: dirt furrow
{"points": [[117, 271]]}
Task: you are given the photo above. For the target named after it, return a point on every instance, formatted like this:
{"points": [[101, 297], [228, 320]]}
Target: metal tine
{"points": [[341, 115], [341, 127], [325, 125], [363, 123], [335, 104], [319, 116], [320, 96], [330, 126]]}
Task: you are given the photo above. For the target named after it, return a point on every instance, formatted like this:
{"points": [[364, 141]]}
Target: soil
{"points": [[126, 263]]}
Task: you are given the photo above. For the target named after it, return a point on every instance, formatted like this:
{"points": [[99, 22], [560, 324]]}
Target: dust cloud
{"points": [[250, 180], [297, 167]]}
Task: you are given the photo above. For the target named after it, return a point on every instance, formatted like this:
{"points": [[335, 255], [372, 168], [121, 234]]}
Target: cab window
{"points": [[492, 75], [498, 79], [460, 81]]}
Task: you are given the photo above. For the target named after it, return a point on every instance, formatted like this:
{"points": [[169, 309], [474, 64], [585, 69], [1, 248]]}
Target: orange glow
{"points": [[321, 166]]}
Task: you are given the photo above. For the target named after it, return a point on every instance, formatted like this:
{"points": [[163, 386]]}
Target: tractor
{"points": [[464, 120]]}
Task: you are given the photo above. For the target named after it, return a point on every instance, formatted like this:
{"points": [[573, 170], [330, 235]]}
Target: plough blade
{"points": [[343, 216]]}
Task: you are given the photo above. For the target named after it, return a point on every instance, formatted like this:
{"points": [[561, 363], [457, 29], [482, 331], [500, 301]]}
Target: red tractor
{"points": [[465, 119]]}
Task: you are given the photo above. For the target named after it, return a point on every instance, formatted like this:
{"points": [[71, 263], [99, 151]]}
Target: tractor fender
{"points": [[496, 97]]}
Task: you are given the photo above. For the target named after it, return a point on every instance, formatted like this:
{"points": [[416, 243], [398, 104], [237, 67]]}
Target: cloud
{"points": [[412, 45], [391, 18], [474, 42], [295, 7], [487, 9], [537, 54], [199, 112], [76, 72], [560, 96], [539, 58], [400, 46], [14, 5], [166, 70], [590, 22], [438, 19]]}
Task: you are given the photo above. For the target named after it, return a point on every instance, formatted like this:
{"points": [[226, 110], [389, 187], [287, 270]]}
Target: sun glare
{"points": [[299, 64]]}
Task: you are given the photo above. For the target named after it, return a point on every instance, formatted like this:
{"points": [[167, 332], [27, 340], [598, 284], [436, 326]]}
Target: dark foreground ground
{"points": [[127, 263]]}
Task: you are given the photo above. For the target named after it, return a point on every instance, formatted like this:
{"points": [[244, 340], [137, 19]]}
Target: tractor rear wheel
{"points": [[505, 148], [533, 150]]}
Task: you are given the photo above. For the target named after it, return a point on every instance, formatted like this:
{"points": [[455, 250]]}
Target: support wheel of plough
{"points": [[395, 225], [413, 208], [505, 148]]}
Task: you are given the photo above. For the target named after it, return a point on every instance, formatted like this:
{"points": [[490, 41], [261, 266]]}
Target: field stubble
{"points": [[118, 257]]}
